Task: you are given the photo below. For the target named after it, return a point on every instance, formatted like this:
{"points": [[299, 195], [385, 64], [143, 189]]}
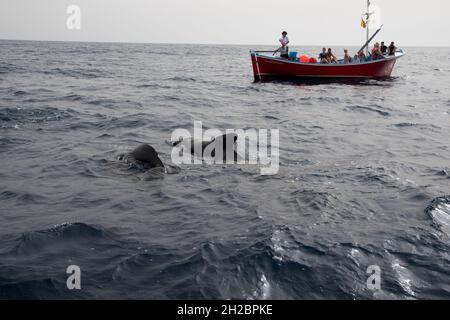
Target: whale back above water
{"points": [[224, 145], [147, 154], [144, 157]]}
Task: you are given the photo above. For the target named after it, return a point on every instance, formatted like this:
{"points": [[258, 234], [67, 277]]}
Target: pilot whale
{"points": [[217, 148], [146, 159], [143, 157]]}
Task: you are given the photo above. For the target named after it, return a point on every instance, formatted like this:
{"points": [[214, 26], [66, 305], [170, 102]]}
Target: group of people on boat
{"points": [[379, 51]]}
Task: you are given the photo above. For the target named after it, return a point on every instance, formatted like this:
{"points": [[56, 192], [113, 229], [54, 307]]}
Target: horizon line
{"points": [[207, 44]]}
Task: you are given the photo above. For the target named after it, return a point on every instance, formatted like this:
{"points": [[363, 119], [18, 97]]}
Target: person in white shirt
{"points": [[284, 41]]}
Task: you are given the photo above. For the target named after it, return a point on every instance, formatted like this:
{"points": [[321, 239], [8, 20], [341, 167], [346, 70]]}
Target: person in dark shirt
{"points": [[331, 57], [392, 49], [323, 57], [384, 48]]}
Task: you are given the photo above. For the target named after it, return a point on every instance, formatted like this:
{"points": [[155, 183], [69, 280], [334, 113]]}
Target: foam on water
{"points": [[439, 211]]}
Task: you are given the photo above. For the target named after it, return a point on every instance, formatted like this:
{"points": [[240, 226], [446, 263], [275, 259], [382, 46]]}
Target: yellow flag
{"points": [[363, 23]]}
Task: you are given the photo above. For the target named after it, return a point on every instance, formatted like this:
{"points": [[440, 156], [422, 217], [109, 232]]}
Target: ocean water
{"points": [[364, 178]]}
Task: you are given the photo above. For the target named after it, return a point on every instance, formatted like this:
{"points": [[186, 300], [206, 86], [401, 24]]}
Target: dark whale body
{"points": [[148, 156], [219, 143], [143, 157]]}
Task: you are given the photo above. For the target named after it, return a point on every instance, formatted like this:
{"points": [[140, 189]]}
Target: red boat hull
{"points": [[273, 67]]}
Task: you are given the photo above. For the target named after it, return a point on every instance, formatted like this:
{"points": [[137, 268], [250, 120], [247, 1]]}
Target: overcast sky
{"points": [[309, 22]]}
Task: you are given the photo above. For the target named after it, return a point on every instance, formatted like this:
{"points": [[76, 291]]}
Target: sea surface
{"points": [[364, 177]]}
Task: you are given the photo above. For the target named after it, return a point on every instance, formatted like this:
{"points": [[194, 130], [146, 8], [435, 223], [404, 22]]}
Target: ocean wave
{"points": [[182, 79], [218, 270], [10, 117], [79, 73], [109, 123], [9, 142], [153, 86], [369, 109], [213, 271], [443, 173], [416, 125], [379, 176], [439, 212], [134, 121], [46, 288], [314, 200], [333, 100], [73, 97], [404, 277], [22, 198], [20, 93], [150, 261], [61, 236], [9, 68]]}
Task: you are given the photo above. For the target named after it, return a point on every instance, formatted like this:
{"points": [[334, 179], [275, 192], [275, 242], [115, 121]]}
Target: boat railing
{"points": [[263, 51], [401, 51]]}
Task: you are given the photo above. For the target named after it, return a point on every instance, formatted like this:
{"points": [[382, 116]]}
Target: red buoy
{"points": [[305, 58]]}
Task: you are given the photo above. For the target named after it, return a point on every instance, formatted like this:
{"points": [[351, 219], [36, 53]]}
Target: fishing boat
{"points": [[269, 66]]}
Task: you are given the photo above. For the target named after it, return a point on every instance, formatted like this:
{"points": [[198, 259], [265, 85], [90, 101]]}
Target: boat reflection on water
{"points": [[386, 81]]}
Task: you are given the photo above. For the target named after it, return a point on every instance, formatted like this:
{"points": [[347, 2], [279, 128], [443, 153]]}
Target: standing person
{"points": [[392, 49], [384, 48], [284, 41]]}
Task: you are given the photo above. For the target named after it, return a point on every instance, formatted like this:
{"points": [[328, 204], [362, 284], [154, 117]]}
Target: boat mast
{"points": [[367, 26]]}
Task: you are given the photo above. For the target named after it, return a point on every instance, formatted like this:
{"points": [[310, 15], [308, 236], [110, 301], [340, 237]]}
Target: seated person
{"points": [[331, 57], [347, 58], [377, 55], [376, 47], [376, 52], [392, 49], [323, 57], [384, 48], [361, 56]]}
